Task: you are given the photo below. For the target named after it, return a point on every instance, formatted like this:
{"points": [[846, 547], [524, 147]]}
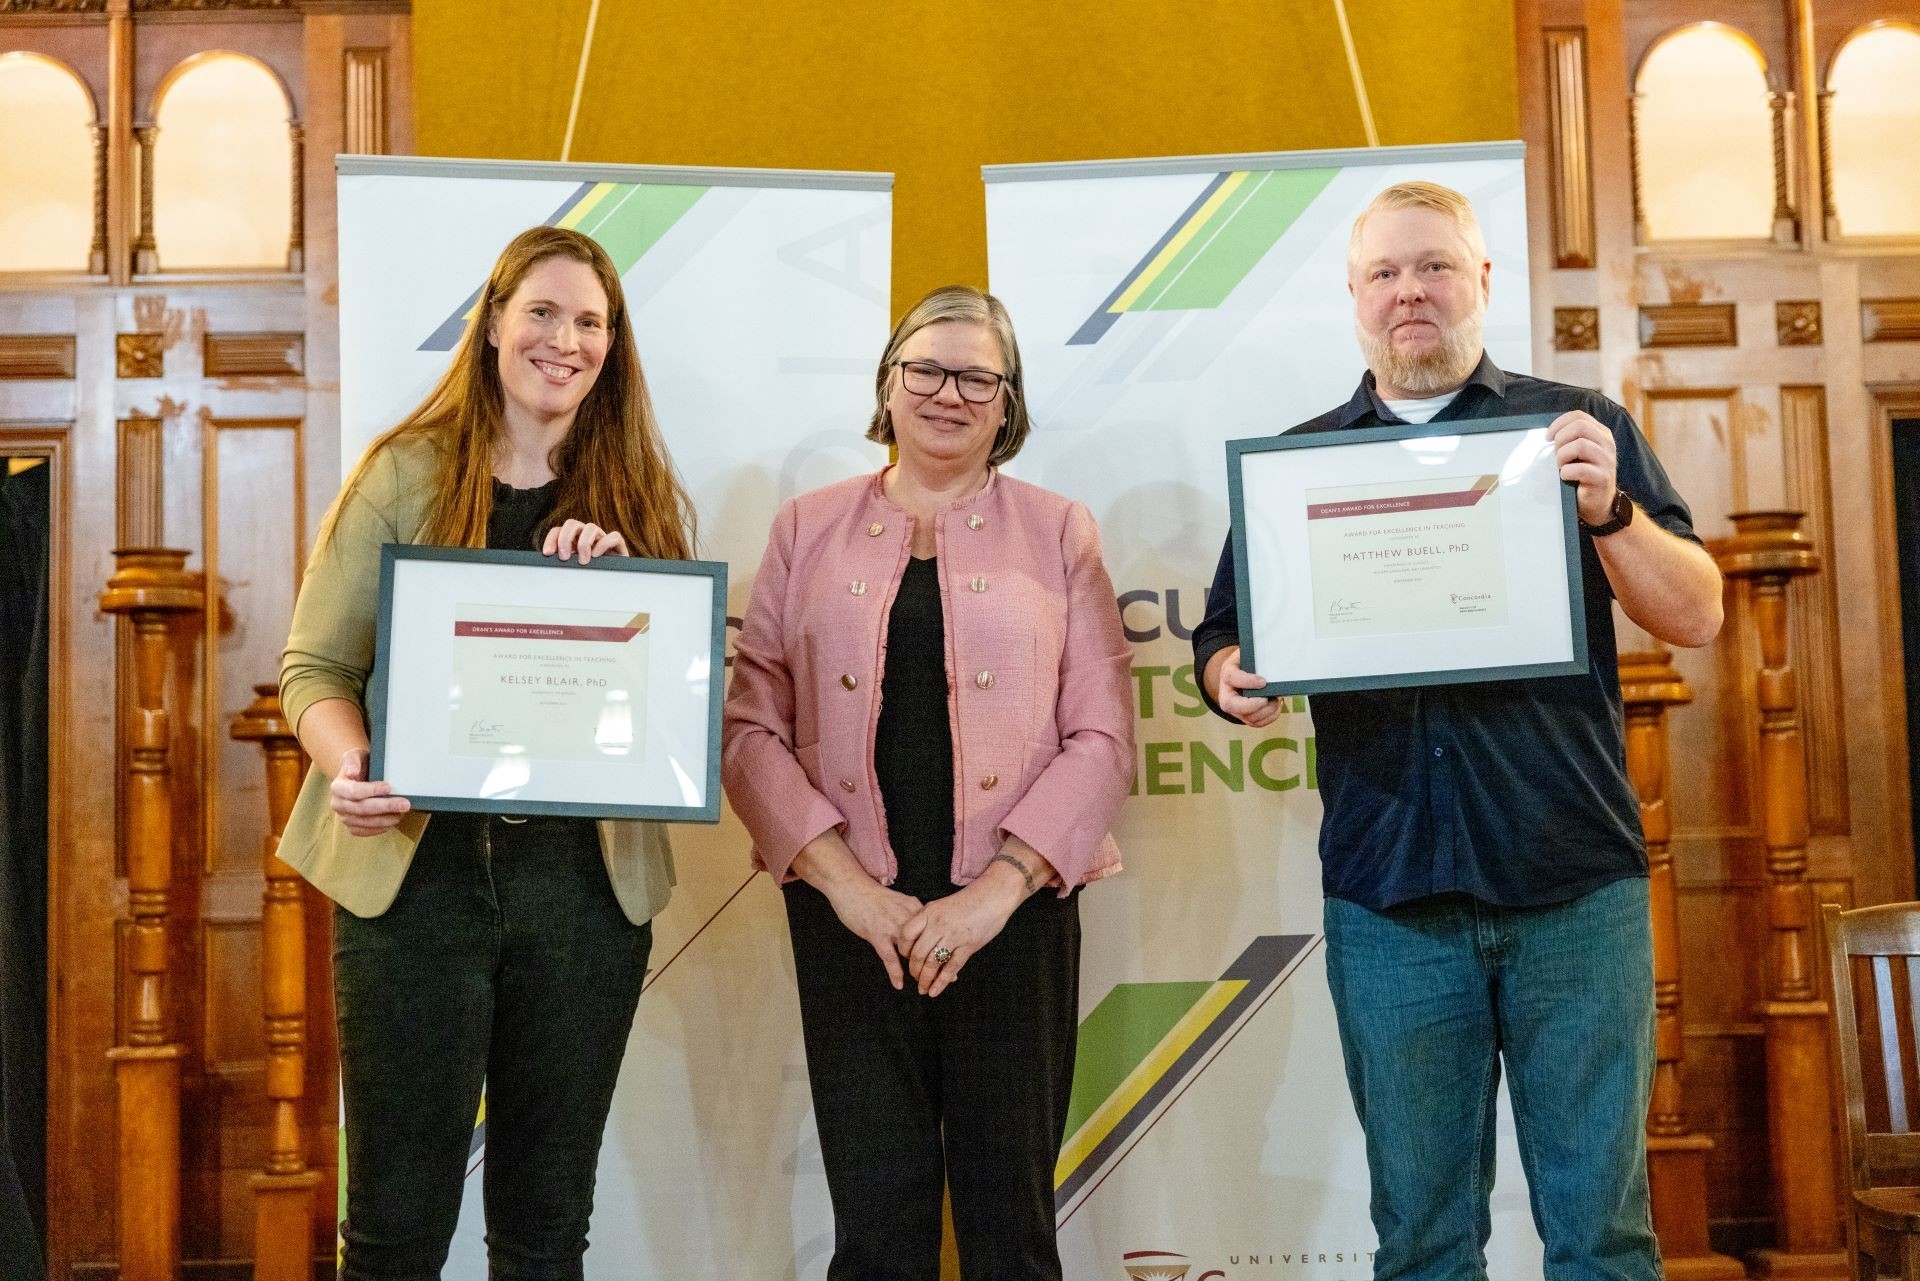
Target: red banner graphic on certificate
{"points": [[1407, 556], [552, 631], [1393, 503], [549, 684]]}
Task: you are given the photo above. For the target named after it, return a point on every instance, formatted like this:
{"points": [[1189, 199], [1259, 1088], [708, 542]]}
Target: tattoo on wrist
{"points": [[1026, 874]]}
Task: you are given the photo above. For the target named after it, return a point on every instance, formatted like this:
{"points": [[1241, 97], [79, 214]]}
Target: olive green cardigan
{"points": [[329, 655]]}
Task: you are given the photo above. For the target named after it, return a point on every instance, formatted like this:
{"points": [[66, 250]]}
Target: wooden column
{"points": [[1786, 224], [146, 253], [1767, 551], [283, 1191], [296, 234], [97, 250], [150, 587], [1676, 1157]]}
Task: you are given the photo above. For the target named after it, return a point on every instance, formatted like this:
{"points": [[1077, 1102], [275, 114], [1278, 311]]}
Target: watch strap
{"points": [[1618, 519]]}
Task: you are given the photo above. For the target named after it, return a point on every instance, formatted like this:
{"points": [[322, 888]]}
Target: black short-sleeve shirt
{"points": [[1515, 792]]}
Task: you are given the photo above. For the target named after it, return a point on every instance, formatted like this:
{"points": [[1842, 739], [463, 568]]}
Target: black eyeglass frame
{"points": [[999, 380]]}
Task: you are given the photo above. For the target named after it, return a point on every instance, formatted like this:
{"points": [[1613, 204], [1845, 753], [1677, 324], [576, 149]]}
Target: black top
{"points": [[517, 513], [1515, 792], [913, 744]]}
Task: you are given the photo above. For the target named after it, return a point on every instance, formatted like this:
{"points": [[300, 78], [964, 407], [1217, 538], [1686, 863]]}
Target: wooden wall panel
{"points": [[1890, 319], [141, 481], [1571, 167], [254, 526], [36, 356], [253, 355], [1815, 618], [233, 1031], [365, 117], [1701, 435]]}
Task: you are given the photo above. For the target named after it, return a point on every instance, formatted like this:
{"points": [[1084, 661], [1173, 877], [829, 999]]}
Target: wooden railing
{"points": [[151, 588], [283, 1191], [1767, 551], [1676, 1156]]}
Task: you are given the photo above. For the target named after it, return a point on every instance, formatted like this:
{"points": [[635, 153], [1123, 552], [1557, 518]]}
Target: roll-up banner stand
{"points": [[760, 306], [1165, 307]]}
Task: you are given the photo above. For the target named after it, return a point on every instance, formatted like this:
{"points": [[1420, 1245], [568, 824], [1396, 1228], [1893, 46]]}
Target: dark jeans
{"points": [[505, 959], [966, 1090], [1431, 998]]}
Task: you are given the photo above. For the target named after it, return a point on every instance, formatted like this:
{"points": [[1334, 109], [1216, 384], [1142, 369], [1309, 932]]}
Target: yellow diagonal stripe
{"points": [[1183, 1034], [1179, 242], [585, 207]]}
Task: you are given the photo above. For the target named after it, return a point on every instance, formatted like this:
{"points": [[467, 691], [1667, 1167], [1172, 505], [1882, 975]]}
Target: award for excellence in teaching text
{"points": [[1405, 555], [510, 682], [567, 684]]}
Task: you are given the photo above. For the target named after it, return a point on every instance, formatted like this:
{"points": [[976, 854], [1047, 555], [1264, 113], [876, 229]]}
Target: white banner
{"points": [[1165, 307], [759, 303]]}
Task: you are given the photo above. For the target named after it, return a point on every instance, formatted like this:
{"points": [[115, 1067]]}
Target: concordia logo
{"points": [[1211, 247], [627, 218], [1155, 1265], [1140, 1049]]}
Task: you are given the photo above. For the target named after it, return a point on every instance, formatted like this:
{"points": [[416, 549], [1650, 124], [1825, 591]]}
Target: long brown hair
{"points": [[612, 464]]}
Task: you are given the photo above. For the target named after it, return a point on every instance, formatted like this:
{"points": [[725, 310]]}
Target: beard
{"points": [[1427, 373]]}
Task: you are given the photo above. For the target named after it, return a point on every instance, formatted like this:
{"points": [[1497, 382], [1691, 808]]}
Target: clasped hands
{"points": [[907, 933], [368, 808]]}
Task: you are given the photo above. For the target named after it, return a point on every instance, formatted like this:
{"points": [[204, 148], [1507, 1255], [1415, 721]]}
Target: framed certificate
{"points": [[514, 683], [1406, 555]]}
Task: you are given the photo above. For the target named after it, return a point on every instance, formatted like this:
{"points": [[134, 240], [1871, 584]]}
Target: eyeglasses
{"points": [[924, 378]]}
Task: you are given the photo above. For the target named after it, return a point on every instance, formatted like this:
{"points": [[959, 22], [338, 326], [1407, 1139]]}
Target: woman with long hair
{"points": [[928, 734], [481, 947]]}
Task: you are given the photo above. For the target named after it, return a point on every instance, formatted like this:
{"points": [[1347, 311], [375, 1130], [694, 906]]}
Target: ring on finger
{"points": [[942, 954]]}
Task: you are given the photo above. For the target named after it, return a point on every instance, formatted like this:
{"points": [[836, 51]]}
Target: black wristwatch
{"points": [[1618, 519]]}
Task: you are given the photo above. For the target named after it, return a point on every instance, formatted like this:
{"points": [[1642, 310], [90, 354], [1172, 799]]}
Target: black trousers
{"points": [[505, 959], [967, 1090]]}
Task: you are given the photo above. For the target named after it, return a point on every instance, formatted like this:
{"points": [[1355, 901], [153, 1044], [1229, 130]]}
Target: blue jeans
{"points": [[1430, 997]]}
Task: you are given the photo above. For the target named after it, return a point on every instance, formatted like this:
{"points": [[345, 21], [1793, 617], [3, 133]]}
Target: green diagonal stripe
{"points": [[1118, 1036], [1149, 300], [1236, 238], [632, 219]]}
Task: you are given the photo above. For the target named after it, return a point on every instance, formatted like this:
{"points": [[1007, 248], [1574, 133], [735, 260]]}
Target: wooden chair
{"points": [[1875, 955]]}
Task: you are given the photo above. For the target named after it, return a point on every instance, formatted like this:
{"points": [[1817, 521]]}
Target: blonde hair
{"points": [[1423, 195], [612, 465], [974, 306]]}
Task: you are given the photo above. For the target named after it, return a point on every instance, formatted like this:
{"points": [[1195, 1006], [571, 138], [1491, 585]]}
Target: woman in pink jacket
{"points": [[928, 734]]}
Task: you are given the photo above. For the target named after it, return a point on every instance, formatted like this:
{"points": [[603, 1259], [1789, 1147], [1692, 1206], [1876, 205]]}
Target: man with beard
{"points": [[1482, 858]]}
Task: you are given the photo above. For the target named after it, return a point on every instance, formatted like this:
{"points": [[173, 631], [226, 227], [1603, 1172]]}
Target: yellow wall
{"points": [[931, 92]]}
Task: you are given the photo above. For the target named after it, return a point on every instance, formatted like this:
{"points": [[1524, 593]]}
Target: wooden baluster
{"points": [[1767, 551], [151, 587], [283, 1191], [1676, 1157]]}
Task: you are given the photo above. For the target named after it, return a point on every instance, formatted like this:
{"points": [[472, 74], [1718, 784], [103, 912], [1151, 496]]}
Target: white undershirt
{"points": [[1421, 411]]}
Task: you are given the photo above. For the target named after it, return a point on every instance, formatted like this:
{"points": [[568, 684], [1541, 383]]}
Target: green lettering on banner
{"points": [[1184, 684], [1158, 769], [1256, 765], [1143, 677], [1178, 767], [1231, 771]]}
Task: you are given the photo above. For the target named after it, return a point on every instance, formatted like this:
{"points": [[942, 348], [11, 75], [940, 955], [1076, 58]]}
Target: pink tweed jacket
{"points": [[1037, 671]]}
